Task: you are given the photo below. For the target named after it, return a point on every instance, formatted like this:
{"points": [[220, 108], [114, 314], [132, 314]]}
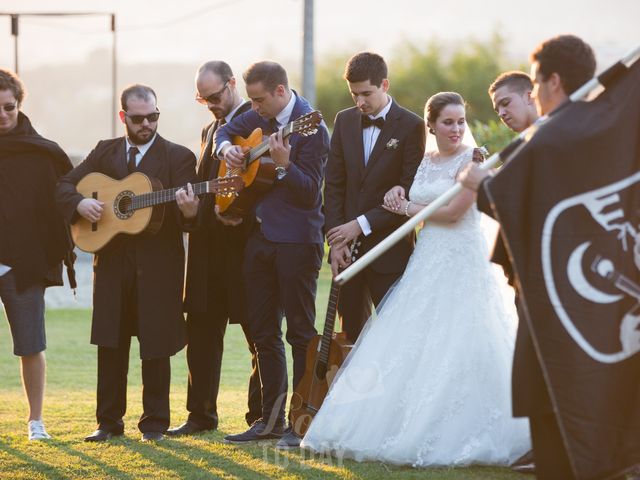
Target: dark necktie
{"points": [[131, 163], [274, 124], [368, 122]]}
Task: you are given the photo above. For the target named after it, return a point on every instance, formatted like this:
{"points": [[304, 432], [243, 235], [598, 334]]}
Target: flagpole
{"points": [[505, 155]]}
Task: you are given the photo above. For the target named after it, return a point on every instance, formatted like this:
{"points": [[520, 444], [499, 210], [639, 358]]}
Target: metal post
{"points": [[308, 70], [14, 32], [114, 77]]}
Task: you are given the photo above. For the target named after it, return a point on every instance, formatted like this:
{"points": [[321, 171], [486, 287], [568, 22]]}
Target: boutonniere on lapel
{"points": [[393, 144]]}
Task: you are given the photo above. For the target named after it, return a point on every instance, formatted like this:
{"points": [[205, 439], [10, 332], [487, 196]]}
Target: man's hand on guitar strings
{"points": [[234, 156], [91, 209]]}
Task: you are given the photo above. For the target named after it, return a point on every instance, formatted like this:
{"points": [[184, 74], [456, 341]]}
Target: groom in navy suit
{"points": [[284, 251]]}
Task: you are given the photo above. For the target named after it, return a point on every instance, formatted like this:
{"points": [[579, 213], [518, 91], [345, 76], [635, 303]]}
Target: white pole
{"points": [[514, 147]]}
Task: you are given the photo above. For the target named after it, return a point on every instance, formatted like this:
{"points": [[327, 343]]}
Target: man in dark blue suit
{"points": [[284, 251]]}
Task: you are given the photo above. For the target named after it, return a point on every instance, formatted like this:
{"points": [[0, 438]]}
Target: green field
{"points": [[69, 416]]}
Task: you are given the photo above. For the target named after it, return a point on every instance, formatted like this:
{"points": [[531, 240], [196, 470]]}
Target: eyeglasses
{"points": [[9, 108], [137, 119], [214, 98]]}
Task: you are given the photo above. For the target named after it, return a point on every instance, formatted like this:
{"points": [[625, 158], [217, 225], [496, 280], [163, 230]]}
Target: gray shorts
{"points": [[25, 312]]}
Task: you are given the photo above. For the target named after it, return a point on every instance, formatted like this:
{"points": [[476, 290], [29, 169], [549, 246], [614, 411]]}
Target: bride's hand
{"points": [[393, 198], [400, 209]]}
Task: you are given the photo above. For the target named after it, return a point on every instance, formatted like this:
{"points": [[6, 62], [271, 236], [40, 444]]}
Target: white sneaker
{"points": [[37, 431]]}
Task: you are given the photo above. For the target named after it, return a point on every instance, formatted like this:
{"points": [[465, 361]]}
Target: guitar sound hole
{"points": [[122, 205]]}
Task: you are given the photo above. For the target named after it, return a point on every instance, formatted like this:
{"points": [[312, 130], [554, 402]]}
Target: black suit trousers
{"points": [[113, 367], [282, 279], [205, 330], [354, 303], [204, 358]]}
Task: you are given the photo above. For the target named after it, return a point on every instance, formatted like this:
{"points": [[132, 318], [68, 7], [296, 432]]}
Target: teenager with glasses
{"points": [[138, 279], [33, 238]]}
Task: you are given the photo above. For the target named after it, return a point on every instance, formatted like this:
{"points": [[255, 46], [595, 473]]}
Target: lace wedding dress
{"points": [[429, 379]]}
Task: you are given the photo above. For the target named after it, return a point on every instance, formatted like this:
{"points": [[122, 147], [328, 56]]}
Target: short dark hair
{"points": [[437, 102], [10, 81], [365, 66], [271, 74], [515, 80], [568, 56], [218, 67], [137, 90]]}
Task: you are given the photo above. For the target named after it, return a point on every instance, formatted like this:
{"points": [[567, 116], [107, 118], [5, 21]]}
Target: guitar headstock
{"points": [[306, 124], [353, 250], [226, 186]]}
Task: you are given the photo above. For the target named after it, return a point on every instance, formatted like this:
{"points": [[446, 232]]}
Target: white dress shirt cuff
{"points": [[222, 145], [364, 225]]}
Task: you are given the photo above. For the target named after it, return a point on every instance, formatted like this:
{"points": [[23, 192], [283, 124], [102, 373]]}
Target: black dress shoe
{"points": [[289, 440], [258, 431], [152, 436], [101, 436], [187, 428]]}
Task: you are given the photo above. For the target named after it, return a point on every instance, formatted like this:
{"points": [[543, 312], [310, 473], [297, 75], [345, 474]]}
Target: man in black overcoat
{"points": [[215, 292], [138, 279]]}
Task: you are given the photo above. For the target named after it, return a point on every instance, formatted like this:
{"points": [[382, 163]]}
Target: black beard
{"points": [[137, 140]]}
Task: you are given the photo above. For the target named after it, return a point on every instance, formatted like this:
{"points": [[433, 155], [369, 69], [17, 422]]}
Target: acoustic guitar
{"points": [[258, 172], [325, 354], [132, 205]]}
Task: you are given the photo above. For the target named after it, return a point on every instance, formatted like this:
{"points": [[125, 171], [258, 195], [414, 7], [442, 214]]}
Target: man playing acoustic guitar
{"points": [[284, 251], [138, 282]]}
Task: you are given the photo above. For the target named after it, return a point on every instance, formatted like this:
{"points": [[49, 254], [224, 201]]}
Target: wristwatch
{"points": [[281, 172]]}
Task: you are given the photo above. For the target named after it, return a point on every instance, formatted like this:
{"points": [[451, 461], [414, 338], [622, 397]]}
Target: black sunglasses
{"points": [[152, 117], [9, 108], [214, 98]]}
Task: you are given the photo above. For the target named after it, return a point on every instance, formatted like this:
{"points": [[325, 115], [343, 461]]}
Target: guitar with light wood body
{"points": [[133, 205]]}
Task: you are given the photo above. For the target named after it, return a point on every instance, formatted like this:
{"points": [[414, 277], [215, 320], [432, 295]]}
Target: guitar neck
{"points": [[159, 197], [329, 324], [259, 150]]}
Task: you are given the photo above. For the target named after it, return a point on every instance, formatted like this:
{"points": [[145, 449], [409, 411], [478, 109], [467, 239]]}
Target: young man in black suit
{"points": [[375, 145], [215, 290]]}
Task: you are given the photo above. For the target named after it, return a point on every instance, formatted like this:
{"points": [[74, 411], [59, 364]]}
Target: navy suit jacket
{"points": [[291, 212]]}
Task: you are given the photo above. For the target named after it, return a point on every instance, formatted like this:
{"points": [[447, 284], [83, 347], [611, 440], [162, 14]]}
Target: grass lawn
{"points": [[70, 415]]}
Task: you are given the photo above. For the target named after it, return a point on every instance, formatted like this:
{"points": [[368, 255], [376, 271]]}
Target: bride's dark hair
{"points": [[437, 102]]}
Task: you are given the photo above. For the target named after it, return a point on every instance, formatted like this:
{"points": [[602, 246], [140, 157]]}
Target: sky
{"points": [[244, 31]]}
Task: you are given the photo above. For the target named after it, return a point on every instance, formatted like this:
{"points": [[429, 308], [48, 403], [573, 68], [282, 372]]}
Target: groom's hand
{"points": [[340, 258], [342, 235]]}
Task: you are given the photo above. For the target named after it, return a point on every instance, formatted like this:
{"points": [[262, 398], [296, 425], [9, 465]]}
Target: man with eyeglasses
{"points": [[138, 279], [215, 291], [33, 238]]}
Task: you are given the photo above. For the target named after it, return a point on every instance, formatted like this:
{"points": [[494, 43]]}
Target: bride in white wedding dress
{"points": [[429, 380]]}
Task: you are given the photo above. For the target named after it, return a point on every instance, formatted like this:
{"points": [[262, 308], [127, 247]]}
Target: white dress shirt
{"points": [[369, 139], [142, 149]]}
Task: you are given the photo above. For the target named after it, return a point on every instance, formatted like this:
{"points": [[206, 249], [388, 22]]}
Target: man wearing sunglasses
{"points": [[33, 238], [215, 291], [138, 279]]}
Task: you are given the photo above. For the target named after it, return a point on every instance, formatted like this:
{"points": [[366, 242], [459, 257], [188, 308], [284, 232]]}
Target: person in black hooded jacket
{"points": [[34, 238]]}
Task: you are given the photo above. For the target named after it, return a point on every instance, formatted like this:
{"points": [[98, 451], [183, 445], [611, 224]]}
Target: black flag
{"points": [[569, 207]]}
